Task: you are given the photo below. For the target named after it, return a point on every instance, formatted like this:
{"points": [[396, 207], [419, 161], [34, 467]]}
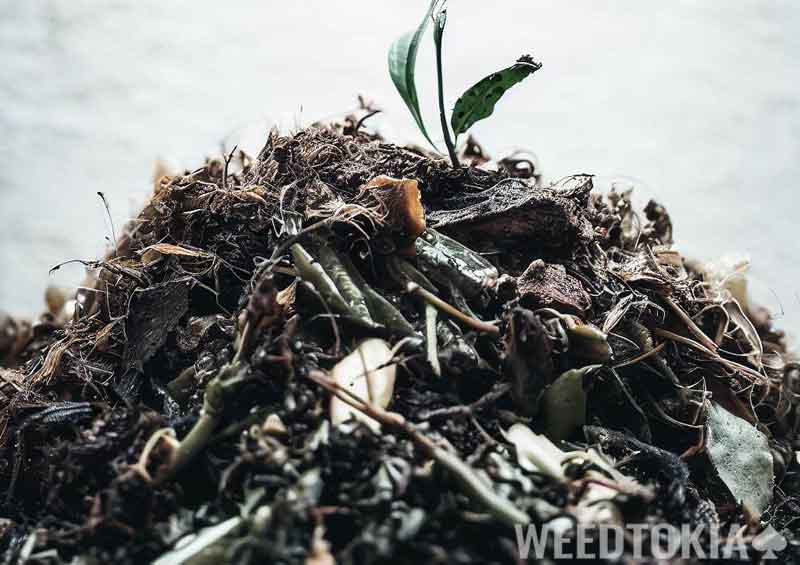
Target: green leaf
{"points": [[402, 62], [478, 102], [563, 404]]}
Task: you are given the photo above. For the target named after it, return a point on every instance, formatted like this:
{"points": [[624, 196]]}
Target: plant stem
{"points": [[451, 310], [451, 149], [200, 435]]}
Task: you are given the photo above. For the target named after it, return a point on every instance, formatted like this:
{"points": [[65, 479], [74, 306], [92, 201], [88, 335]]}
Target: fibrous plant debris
{"points": [[342, 350]]}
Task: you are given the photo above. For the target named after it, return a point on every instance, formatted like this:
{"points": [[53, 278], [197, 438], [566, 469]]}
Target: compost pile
{"points": [[345, 351]]}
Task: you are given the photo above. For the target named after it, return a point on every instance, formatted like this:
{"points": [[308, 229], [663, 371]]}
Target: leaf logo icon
{"points": [[770, 542]]}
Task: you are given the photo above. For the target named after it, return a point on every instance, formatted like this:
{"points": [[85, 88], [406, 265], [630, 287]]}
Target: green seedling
{"points": [[475, 104]]}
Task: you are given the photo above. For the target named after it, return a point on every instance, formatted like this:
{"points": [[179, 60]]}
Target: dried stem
{"points": [[693, 328], [451, 310], [471, 483], [714, 356]]}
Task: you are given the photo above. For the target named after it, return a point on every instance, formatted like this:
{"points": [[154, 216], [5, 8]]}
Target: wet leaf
{"points": [[478, 101], [402, 63], [564, 404], [367, 373], [741, 455]]}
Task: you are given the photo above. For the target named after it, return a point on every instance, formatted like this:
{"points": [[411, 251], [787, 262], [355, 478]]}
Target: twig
{"points": [[140, 466], [714, 356], [362, 120], [693, 328], [225, 169], [642, 357], [467, 409], [110, 221], [451, 310], [471, 483]]}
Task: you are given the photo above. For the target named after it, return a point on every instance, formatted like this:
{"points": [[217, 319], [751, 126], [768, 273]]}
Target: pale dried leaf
{"points": [[368, 373], [741, 455], [535, 452], [170, 249]]}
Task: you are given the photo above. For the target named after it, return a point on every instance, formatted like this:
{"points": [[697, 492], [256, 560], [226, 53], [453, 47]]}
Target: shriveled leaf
{"points": [[478, 101], [402, 63], [155, 252], [741, 456], [563, 404], [367, 373]]}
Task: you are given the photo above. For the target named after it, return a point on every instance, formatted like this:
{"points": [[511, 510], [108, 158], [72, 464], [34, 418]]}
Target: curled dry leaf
{"points": [[155, 252], [369, 374], [398, 203]]}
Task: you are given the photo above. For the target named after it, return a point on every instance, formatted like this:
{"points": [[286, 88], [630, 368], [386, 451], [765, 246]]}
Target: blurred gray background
{"points": [[696, 103]]}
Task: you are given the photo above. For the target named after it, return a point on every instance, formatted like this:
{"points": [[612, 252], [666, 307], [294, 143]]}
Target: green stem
{"points": [[451, 148], [200, 435]]}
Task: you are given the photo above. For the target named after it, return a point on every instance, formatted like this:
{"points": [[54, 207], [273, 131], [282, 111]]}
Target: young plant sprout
{"points": [[475, 104]]}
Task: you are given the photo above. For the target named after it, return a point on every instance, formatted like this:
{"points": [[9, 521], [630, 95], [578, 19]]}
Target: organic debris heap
{"points": [[347, 351]]}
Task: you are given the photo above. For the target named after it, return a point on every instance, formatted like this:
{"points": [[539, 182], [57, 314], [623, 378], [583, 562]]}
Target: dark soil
{"points": [[197, 326]]}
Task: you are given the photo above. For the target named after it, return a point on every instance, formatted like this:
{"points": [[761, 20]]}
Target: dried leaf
{"points": [[535, 452], [397, 202], [170, 249], [369, 374], [741, 455]]}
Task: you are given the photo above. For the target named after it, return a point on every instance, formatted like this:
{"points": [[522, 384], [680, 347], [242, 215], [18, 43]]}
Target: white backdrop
{"points": [[696, 102]]}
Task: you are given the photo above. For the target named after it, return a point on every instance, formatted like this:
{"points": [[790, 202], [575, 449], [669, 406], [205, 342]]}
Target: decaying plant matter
{"points": [[341, 350]]}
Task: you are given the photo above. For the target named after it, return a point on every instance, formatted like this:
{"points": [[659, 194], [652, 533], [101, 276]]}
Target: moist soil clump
{"points": [[345, 351]]}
